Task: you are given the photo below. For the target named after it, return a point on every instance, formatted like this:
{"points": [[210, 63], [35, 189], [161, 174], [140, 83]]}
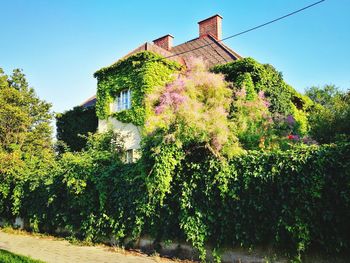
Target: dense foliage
{"points": [[264, 77], [89, 193], [25, 139], [300, 197], [224, 164], [266, 109], [323, 95], [74, 125], [24, 118], [193, 109], [330, 118], [140, 73]]}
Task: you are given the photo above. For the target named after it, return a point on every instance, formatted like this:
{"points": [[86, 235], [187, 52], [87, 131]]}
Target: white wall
{"points": [[132, 132]]}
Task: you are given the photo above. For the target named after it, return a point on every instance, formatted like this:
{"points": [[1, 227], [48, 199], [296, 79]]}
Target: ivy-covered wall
{"points": [[140, 73]]}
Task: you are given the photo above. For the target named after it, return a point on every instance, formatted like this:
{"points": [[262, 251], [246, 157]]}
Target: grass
{"points": [[8, 257]]}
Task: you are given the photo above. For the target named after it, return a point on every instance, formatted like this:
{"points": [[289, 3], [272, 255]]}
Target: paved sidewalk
{"points": [[59, 251]]}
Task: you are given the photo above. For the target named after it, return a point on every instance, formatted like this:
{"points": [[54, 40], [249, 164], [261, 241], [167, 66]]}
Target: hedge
{"points": [[296, 201]]}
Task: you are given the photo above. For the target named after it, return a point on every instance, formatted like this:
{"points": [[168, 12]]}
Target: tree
{"points": [[25, 138], [24, 118], [74, 124], [330, 118], [323, 95]]}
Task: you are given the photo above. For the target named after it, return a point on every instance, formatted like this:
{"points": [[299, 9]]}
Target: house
{"points": [[118, 102]]}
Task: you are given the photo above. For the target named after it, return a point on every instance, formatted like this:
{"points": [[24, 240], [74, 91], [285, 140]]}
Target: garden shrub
{"points": [[89, 194], [193, 109], [249, 74], [330, 118], [264, 77], [294, 200], [74, 125], [281, 198], [268, 112]]}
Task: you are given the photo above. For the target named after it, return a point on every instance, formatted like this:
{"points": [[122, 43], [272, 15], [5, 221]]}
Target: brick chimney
{"points": [[165, 42], [212, 26]]}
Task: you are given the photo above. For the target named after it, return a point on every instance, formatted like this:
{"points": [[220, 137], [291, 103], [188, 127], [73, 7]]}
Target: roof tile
{"points": [[213, 51]]}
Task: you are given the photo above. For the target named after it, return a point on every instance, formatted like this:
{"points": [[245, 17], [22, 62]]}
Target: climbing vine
{"points": [[140, 73], [264, 77]]}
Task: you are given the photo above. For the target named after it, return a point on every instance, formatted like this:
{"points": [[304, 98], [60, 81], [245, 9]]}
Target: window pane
{"points": [[122, 101], [125, 98], [129, 98]]}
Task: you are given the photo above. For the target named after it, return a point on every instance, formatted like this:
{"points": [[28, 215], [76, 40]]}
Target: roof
{"points": [[213, 52], [89, 102], [154, 48]]}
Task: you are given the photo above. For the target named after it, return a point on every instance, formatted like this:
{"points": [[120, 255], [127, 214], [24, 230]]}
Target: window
{"points": [[122, 101]]}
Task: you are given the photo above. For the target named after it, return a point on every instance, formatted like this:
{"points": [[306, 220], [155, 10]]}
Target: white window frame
{"points": [[122, 101]]}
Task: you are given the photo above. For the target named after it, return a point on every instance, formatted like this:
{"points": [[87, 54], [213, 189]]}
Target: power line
{"points": [[251, 29]]}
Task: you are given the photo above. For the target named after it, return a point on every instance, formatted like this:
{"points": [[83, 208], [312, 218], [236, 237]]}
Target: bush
{"points": [[330, 118], [264, 113], [294, 200], [74, 125], [263, 77], [89, 193]]}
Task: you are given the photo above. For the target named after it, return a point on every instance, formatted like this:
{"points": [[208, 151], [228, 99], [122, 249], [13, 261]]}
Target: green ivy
{"points": [[140, 73], [293, 200], [266, 78]]}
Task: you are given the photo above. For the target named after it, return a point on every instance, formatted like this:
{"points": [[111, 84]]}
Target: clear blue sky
{"points": [[60, 43]]}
